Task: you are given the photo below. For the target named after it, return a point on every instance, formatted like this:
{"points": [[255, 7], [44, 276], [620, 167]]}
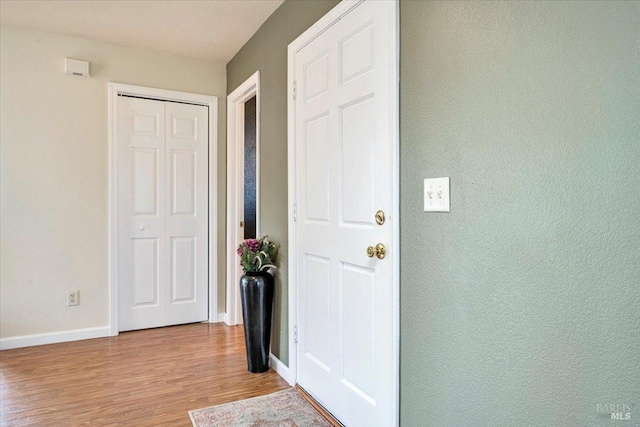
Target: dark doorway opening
{"points": [[250, 176]]}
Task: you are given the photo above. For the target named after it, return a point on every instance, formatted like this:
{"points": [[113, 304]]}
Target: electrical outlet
{"points": [[436, 195], [73, 298]]}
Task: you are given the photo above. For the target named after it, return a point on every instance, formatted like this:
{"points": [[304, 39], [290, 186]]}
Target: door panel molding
{"points": [[354, 43], [116, 89], [235, 187]]}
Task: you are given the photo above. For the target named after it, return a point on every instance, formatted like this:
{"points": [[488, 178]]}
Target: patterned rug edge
{"points": [[247, 399], [292, 390]]}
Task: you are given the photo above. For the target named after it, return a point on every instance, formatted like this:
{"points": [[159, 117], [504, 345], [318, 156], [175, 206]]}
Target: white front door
{"points": [[344, 144], [162, 213]]}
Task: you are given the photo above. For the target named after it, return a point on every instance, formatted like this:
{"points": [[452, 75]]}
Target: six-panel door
{"points": [[343, 166], [162, 213]]}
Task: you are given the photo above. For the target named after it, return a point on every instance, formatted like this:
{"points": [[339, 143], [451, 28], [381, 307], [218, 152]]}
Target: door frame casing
{"points": [[116, 89], [235, 187], [333, 16]]}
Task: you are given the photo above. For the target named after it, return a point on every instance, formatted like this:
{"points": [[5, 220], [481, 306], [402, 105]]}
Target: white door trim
{"points": [[116, 89], [314, 31], [235, 186]]}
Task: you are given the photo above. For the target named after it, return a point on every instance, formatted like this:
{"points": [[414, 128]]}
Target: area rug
{"points": [[282, 409]]}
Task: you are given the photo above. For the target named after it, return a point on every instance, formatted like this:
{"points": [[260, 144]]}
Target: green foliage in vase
{"points": [[257, 254]]}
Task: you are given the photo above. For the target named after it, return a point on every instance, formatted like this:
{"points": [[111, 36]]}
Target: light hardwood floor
{"points": [[142, 378]]}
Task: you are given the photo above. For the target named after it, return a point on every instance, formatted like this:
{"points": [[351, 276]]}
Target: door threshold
{"points": [[318, 407]]}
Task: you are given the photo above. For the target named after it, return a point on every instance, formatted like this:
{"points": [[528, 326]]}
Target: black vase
{"points": [[256, 291]]}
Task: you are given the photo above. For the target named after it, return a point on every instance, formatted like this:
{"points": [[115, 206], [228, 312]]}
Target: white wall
{"points": [[54, 171]]}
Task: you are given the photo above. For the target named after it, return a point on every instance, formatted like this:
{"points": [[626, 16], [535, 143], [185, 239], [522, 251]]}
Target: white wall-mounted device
{"points": [[73, 67], [436, 195]]}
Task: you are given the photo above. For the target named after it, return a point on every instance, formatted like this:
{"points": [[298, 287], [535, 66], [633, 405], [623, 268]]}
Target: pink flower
{"points": [[253, 244]]}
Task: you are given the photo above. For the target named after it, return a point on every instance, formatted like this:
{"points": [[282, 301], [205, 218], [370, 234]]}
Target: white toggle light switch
{"points": [[436, 195]]}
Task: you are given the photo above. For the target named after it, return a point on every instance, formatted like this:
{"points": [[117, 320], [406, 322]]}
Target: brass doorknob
{"points": [[379, 251]]}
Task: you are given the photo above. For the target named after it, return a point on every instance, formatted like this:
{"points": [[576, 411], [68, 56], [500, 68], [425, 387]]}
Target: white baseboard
{"points": [[54, 337], [225, 319], [281, 369], [220, 317]]}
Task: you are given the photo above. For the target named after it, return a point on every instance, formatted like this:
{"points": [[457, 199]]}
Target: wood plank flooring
{"points": [[142, 378]]}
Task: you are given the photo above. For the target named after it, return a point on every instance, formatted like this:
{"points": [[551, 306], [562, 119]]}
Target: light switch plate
{"points": [[436, 195]]}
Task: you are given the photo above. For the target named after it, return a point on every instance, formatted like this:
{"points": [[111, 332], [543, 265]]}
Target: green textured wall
{"points": [[522, 305], [267, 51]]}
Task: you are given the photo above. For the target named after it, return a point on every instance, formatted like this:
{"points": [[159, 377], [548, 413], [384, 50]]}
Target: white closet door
{"points": [[187, 212], [162, 213]]}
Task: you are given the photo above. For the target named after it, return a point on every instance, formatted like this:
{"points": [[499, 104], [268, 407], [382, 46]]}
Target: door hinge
{"points": [[295, 333], [295, 89], [295, 211]]}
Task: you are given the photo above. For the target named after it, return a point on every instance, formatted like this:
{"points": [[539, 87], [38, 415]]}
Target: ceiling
{"points": [[204, 29]]}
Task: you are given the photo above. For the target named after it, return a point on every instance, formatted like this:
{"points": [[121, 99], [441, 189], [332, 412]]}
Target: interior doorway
{"points": [[250, 176], [162, 209], [243, 182], [162, 198]]}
